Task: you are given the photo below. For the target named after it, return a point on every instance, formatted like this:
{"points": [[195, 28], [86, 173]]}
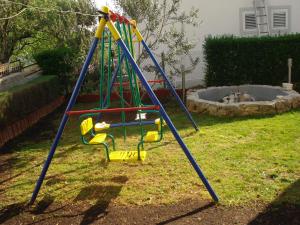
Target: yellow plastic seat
{"points": [[129, 156], [98, 139], [86, 125], [151, 136]]}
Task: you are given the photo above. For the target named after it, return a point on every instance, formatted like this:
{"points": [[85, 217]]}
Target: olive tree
{"points": [[163, 25]]}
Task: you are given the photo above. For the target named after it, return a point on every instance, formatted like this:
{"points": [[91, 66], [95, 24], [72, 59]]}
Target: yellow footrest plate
{"points": [[118, 156]]}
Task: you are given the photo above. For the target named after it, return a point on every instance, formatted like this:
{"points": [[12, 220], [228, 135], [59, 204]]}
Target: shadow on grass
{"points": [[284, 210], [102, 194], [19, 174], [43, 205], [11, 211]]}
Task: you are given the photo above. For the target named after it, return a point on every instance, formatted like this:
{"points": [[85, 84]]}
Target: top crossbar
{"points": [[121, 19]]}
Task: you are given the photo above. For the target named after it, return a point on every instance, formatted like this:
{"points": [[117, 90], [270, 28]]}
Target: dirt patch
{"points": [[185, 212]]}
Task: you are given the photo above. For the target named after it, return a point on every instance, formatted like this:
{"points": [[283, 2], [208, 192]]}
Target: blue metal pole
{"points": [[170, 86], [168, 120], [135, 123], [64, 120]]}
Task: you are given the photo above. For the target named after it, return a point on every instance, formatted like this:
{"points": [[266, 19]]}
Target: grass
{"points": [[245, 159]]}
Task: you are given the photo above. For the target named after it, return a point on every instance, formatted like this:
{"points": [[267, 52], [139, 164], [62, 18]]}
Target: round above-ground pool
{"points": [[243, 100]]}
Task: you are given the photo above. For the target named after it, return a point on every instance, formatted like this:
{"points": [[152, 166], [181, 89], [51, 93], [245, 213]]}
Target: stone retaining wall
{"points": [[281, 103]]}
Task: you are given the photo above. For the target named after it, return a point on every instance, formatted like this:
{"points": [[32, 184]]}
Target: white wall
{"points": [[221, 17]]}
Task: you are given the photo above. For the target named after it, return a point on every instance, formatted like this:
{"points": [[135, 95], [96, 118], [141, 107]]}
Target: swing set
{"points": [[94, 132], [117, 32]]}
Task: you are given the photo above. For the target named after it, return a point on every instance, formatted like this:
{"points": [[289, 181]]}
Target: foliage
{"points": [[59, 61], [233, 60], [42, 26], [21, 100], [246, 161], [55, 61], [162, 25], [91, 83]]}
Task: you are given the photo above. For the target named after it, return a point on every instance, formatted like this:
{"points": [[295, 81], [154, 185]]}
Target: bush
{"points": [[253, 60], [20, 101], [59, 61]]}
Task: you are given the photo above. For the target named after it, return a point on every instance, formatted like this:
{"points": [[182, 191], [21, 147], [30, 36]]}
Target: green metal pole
{"points": [[123, 116], [135, 86], [130, 39], [102, 70], [134, 97], [109, 74]]}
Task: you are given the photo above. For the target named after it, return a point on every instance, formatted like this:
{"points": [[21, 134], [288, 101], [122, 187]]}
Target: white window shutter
{"points": [[279, 19], [250, 21]]}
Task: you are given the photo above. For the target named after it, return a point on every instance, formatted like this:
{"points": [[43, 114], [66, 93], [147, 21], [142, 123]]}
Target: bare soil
{"points": [[186, 212]]}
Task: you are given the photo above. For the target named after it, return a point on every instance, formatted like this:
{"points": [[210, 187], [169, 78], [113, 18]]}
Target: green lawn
{"points": [[245, 160]]}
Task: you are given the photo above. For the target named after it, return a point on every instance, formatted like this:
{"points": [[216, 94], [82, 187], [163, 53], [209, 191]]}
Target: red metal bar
{"points": [[149, 81], [117, 17], [113, 110], [113, 16], [155, 81]]}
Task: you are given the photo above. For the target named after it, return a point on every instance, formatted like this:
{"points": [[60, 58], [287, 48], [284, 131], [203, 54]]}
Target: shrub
{"points": [[59, 61], [20, 101], [253, 60]]}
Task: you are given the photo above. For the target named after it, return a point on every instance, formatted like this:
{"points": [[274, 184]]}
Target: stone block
{"points": [[282, 106], [296, 102]]}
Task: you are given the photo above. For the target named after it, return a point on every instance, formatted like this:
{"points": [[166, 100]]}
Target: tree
{"points": [[35, 24], [62, 58], [12, 30], [163, 29]]}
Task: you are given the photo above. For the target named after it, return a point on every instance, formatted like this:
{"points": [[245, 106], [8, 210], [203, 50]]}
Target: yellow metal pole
{"points": [[114, 32], [102, 23], [136, 31]]}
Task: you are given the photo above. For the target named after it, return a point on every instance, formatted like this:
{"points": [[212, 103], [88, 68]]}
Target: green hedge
{"points": [[19, 101], [59, 61], [55, 61], [253, 60]]}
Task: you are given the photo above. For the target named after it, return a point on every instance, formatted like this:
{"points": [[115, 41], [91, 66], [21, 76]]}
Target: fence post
{"points": [[163, 65], [290, 64], [183, 82]]}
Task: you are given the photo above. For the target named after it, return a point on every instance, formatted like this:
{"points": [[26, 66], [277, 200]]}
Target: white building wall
{"points": [[220, 17]]}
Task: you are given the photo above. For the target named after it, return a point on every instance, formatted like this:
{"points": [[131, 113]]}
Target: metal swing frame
{"points": [[108, 21]]}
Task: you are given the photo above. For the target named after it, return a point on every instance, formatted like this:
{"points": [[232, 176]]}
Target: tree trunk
{"points": [[5, 55]]}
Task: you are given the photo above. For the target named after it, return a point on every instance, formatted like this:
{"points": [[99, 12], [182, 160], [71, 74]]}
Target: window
{"points": [[248, 25], [280, 19], [250, 21]]}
